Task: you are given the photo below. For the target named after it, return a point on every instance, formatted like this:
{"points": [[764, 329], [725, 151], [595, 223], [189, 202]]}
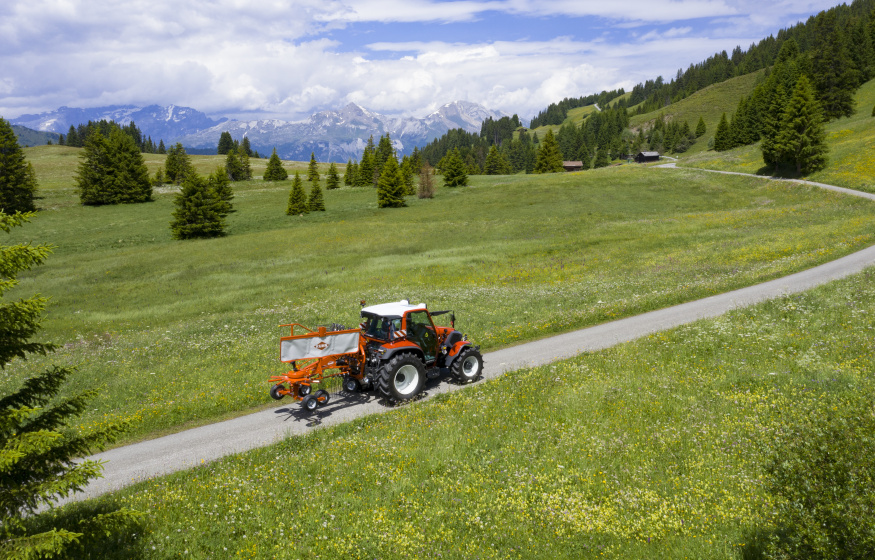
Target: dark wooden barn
{"points": [[644, 157]]}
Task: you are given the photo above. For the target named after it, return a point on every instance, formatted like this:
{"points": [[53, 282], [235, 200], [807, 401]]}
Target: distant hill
{"points": [[28, 137]]}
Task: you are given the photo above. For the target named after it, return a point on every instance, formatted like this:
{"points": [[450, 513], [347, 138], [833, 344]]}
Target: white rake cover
{"points": [[308, 347]]}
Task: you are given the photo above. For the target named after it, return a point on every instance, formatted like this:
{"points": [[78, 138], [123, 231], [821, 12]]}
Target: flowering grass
{"points": [[851, 155], [651, 449], [177, 333]]}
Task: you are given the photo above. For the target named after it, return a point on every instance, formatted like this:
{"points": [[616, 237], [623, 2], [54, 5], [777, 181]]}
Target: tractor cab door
{"points": [[421, 331]]}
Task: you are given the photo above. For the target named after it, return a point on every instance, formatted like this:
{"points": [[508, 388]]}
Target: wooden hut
{"points": [[644, 157]]}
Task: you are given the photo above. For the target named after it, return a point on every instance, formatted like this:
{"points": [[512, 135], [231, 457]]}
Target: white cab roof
{"points": [[397, 308]]}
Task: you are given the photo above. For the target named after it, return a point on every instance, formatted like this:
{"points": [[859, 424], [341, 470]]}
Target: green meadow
{"points": [[656, 448], [179, 333]]}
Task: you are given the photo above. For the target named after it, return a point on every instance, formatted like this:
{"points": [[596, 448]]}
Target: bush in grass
{"points": [[822, 475], [38, 451]]}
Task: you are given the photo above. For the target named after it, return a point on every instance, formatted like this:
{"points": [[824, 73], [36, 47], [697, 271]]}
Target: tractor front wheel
{"points": [[401, 378], [468, 365]]}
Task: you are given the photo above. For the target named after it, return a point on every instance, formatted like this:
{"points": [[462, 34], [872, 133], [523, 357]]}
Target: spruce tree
{"points": [[233, 166], [549, 157], [382, 153], [332, 181], [275, 170], [454, 170], [17, 178], [220, 184], [316, 202], [199, 212], [406, 170], [365, 171], [348, 174], [73, 139], [601, 159], [496, 164], [38, 450], [772, 124], [701, 128], [297, 198], [225, 143], [722, 138], [94, 165], [243, 155], [312, 169], [802, 137], [390, 189], [161, 149], [246, 147], [834, 76], [177, 166], [112, 171]]}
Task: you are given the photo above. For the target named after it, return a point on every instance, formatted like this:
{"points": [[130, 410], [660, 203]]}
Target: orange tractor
{"points": [[396, 347]]}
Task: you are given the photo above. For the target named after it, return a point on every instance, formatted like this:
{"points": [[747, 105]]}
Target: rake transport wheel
{"points": [[304, 390], [401, 378], [275, 392], [322, 397], [467, 367], [310, 403], [351, 385]]}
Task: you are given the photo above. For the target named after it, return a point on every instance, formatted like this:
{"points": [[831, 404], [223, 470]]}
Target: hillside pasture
{"points": [[178, 333], [652, 449], [851, 155]]}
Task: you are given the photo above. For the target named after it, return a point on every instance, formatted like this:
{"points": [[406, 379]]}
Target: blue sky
{"points": [[285, 59]]}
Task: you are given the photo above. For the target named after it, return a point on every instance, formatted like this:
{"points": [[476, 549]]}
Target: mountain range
{"points": [[332, 135]]}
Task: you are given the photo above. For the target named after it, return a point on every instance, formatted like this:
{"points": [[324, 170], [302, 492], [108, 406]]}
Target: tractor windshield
{"points": [[376, 326]]}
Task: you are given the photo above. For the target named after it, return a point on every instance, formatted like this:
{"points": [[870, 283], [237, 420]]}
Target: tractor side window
{"points": [[421, 331], [381, 327]]}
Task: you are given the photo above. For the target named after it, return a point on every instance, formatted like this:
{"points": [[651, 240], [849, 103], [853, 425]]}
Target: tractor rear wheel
{"points": [[467, 367], [401, 378]]}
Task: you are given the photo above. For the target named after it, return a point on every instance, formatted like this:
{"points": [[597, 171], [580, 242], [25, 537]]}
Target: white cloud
{"points": [[290, 57]]}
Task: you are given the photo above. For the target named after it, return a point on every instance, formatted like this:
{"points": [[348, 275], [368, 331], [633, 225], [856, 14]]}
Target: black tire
{"points": [[401, 378], [351, 385], [304, 390], [310, 403], [274, 392], [468, 365], [322, 397]]}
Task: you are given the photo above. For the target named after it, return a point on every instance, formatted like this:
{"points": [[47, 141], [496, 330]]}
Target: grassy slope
{"points": [[709, 104], [185, 332], [851, 157], [652, 449]]}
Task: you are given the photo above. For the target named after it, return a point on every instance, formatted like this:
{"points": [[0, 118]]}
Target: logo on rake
{"points": [[322, 345]]}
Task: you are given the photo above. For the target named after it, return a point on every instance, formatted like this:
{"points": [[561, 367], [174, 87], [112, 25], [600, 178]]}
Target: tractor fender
{"points": [[453, 353], [400, 348]]}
